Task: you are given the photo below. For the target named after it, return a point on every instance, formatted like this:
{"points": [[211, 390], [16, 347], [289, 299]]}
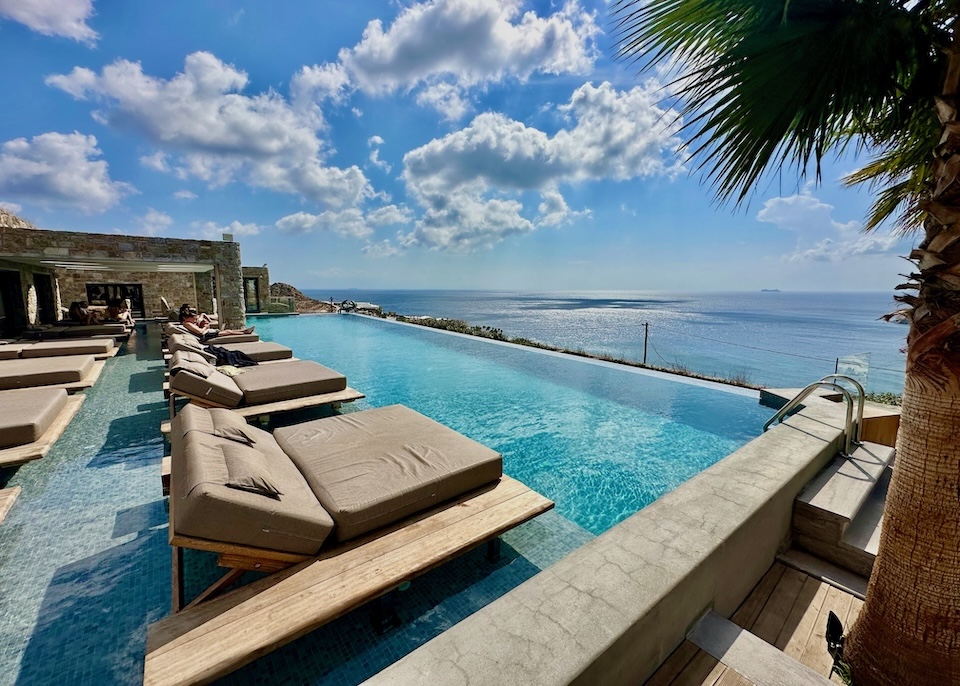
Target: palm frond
{"points": [[768, 84]]}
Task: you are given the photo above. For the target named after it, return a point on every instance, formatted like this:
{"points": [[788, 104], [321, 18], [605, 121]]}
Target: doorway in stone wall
{"points": [[102, 293], [13, 315], [46, 302]]}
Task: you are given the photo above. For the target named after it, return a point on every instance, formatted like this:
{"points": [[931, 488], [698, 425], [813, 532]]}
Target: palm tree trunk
{"points": [[909, 629]]}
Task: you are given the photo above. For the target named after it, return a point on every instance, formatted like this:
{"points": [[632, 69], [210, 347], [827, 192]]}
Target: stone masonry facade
{"points": [[262, 274], [39, 244], [176, 287]]}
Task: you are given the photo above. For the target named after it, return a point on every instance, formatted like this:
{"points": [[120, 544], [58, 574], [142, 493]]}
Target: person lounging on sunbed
{"points": [[191, 322]]}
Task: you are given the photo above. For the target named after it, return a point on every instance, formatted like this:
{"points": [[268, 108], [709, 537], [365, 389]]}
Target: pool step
{"points": [[838, 515], [750, 656]]}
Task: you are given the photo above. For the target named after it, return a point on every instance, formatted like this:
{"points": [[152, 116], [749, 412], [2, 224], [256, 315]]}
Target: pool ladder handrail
{"points": [[851, 429]]}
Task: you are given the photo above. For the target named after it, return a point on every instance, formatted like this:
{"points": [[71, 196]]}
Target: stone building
{"points": [[43, 271]]}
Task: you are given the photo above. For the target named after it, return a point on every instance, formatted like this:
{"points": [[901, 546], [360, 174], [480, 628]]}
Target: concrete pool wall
{"points": [[614, 609]]}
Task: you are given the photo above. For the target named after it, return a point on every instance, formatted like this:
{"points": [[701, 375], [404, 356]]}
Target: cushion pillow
{"points": [[248, 471]]}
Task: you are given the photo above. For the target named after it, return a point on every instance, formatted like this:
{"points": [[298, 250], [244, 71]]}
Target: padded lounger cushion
{"points": [[261, 351], [205, 508], [94, 346], [95, 330], [286, 381], [10, 351], [371, 468], [44, 371], [218, 388], [27, 413]]}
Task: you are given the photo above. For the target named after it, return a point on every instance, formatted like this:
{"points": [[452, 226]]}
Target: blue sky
{"points": [[482, 144]]}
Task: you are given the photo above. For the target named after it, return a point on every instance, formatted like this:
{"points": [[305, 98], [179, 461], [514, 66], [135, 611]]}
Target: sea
{"points": [[768, 338]]}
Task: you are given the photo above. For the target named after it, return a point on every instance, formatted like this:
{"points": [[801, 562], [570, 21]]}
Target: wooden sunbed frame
{"points": [[34, 451], [8, 496], [213, 637], [347, 395]]}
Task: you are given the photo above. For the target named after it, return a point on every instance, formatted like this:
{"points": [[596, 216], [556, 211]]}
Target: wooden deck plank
{"points": [[276, 616], [793, 642], [8, 496], [746, 615], [403, 533], [34, 451], [703, 670], [673, 665], [815, 655], [778, 607], [341, 559]]}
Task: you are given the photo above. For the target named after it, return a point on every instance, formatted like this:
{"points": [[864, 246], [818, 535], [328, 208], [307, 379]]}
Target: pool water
{"points": [[599, 440], [84, 557]]}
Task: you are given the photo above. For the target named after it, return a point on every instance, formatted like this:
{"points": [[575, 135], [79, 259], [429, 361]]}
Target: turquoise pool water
{"points": [[84, 558], [600, 441]]}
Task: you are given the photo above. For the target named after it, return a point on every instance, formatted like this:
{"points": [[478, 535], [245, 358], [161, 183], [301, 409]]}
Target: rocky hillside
{"points": [[304, 304]]}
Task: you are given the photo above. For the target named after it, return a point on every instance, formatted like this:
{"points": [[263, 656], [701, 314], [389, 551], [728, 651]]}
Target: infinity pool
{"points": [[600, 440], [84, 557]]}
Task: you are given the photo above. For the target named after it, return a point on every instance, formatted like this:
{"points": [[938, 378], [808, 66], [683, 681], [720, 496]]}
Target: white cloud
{"points": [[59, 169], [220, 134], [318, 83], [157, 161], [374, 157], [612, 134], [390, 214], [820, 238], [185, 195], [446, 99], [347, 223], [214, 231], [468, 43], [382, 249], [154, 222], [829, 250], [67, 18], [12, 207]]}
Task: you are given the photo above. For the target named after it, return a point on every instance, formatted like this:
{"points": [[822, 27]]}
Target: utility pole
{"points": [[646, 335]]}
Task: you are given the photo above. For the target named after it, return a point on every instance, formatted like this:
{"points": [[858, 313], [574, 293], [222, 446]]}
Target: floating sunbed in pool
{"points": [[100, 348], [69, 372], [31, 420], [394, 495], [266, 389], [261, 351]]}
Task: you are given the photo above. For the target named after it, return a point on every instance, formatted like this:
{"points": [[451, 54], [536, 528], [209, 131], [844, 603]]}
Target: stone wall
{"points": [[203, 283], [176, 287], [38, 244], [263, 284]]}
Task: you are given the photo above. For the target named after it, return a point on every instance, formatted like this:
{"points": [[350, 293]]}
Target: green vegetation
{"points": [[886, 398]]}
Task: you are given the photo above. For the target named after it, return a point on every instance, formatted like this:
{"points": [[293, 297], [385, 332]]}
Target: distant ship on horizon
{"points": [[769, 290]]}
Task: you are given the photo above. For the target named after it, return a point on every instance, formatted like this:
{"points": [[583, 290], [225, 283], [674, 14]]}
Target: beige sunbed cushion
{"points": [[235, 338], [44, 371], [206, 508], [183, 341], [27, 413], [217, 389], [375, 467], [261, 351], [287, 380], [95, 330], [93, 346]]}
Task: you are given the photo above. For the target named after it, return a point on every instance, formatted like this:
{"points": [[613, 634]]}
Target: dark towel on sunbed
{"points": [[234, 358]]}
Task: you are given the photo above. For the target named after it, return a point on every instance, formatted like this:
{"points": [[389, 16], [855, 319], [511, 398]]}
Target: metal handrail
{"points": [[802, 395], [861, 400]]}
